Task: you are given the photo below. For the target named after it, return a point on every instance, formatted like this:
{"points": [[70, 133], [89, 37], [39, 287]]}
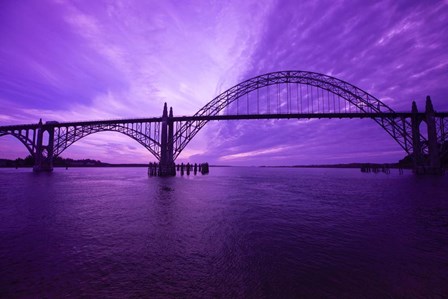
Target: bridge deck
{"points": [[226, 117], [303, 116]]}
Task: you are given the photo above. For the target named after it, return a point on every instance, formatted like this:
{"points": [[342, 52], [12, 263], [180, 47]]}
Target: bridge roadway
{"points": [[227, 117]]}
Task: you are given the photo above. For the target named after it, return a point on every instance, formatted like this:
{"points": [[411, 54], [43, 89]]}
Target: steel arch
{"points": [[70, 136], [399, 129], [27, 142]]}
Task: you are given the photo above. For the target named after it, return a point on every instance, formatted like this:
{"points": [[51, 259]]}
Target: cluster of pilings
{"points": [[155, 169], [158, 169], [376, 168], [188, 168]]}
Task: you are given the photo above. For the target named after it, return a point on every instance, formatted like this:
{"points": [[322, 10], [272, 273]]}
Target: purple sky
{"points": [[83, 60]]}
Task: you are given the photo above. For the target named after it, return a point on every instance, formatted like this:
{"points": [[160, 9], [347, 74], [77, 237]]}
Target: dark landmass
{"points": [[348, 165], [405, 163], [65, 162]]}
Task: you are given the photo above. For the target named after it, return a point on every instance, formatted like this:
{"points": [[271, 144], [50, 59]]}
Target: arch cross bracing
{"points": [[358, 101], [442, 133], [442, 130], [140, 132]]}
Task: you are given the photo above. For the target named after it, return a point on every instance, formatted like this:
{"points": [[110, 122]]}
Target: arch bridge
{"points": [[277, 95]]}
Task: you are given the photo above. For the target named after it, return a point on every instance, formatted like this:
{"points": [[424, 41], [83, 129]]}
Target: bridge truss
{"points": [[301, 93]]}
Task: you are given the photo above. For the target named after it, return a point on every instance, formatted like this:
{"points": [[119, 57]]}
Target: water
{"points": [[238, 232]]}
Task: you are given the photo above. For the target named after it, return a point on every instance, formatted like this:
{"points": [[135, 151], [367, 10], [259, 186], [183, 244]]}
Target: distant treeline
{"points": [[347, 165], [63, 162]]}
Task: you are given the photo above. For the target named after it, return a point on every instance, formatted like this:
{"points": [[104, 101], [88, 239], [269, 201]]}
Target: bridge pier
{"points": [[421, 164], [43, 156], [434, 165], [166, 165]]}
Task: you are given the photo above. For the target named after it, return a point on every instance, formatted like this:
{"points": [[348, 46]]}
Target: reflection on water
{"points": [[238, 232]]}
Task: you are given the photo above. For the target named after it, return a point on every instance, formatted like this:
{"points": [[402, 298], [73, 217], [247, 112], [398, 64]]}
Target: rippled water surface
{"points": [[238, 232]]}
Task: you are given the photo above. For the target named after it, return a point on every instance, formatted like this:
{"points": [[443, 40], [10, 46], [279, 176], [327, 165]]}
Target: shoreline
{"points": [[346, 166]]}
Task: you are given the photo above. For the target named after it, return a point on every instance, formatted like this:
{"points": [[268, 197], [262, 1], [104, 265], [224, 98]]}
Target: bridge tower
{"points": [[433, 146], [166, 165], [43, 156], [431, 163]]}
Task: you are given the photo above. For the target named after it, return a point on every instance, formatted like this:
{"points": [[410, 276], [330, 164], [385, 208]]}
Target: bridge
{"points": [[278, 95]]}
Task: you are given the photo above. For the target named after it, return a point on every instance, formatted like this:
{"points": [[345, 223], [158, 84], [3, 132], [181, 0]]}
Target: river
{"points": [[239, 232]]}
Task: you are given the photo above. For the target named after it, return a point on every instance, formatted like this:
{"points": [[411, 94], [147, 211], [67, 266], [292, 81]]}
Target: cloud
{"points": [[88, 60], [254, 153]]}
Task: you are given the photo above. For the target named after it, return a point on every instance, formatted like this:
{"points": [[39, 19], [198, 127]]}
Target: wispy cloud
{"points": [[254, 153]]}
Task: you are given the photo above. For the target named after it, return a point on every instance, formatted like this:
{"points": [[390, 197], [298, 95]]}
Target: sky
{"points": [[90, 60]]}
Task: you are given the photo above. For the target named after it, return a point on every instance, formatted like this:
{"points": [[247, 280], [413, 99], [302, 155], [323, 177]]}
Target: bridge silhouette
{"points": [[277, 95]]}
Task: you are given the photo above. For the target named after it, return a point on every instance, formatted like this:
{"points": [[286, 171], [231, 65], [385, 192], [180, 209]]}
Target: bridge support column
{"points": [[417, 155], [170, 145], [434, 166], [44, 152], [166, 165]]}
